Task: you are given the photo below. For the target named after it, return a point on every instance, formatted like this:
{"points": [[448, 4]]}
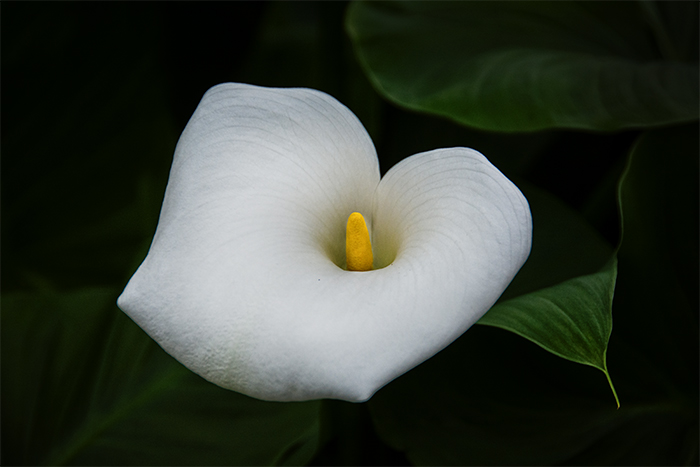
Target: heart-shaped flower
{"points": [[246, 281]]}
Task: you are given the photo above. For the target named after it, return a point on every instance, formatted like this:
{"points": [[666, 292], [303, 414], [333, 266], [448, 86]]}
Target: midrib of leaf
{"points": [[95, 427], [607, 376]]}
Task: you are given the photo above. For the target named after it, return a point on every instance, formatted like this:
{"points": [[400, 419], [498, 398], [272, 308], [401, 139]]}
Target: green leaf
{"points": [[562, 298], [572, 320], [525, 66], [82, 384]]}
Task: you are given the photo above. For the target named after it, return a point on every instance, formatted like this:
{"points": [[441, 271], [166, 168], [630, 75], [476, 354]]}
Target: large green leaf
{"points": [[82, 384], [572, 320], [523, 66], [562, 298]]}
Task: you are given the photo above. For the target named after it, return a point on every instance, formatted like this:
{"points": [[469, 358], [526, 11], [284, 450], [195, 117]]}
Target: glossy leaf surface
{"points": [[572, 320], [524, 66]]}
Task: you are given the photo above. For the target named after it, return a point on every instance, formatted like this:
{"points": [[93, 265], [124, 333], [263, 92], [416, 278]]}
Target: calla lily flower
{"points": [[247, 280]]}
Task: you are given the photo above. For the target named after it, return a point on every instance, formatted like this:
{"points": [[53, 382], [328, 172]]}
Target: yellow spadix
{"points": [[358, 247]]}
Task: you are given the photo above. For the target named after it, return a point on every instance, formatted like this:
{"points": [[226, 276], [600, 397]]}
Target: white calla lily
{"points": [[245, 281]]}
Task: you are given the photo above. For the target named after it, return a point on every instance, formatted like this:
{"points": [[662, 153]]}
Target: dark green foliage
{"points": [[524, 66]]}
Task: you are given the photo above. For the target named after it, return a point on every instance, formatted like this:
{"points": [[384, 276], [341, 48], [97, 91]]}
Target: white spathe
{"points": [[244, 281]]}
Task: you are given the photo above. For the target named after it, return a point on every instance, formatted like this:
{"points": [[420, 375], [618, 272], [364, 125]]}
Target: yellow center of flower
{"points": [[358, 247]]}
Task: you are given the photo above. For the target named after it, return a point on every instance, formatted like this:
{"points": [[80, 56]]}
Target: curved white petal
{"points": [[244, 282], [455, 231]]}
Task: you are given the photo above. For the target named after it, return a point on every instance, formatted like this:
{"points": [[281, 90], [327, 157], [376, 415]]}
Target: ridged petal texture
{"points": [[245, 284]]}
